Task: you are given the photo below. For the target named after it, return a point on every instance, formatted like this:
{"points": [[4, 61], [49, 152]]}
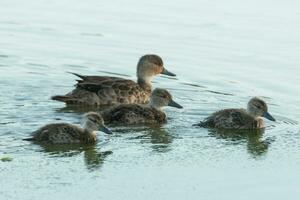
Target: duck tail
{"points": [[64, 98], [29, 139], [78, 75], [206, 123]]}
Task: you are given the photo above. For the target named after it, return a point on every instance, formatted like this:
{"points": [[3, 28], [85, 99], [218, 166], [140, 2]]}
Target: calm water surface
{"points": [[223, 53]]}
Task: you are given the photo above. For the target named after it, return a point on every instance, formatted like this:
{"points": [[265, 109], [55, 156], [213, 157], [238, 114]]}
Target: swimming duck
{"points": [[105, 90], [249, 118], [150, 113], [65, 133]]}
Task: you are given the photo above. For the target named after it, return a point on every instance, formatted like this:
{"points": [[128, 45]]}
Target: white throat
{"points": [[146, 79], [251, 113], [153, 105], [145, 82]]}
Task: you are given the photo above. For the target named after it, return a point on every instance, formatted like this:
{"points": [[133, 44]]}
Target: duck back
{"points": [[134, 114], [105, 91], [62, 133]]}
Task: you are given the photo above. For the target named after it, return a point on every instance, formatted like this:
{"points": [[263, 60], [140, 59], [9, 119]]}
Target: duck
{"points": [[250, 118], [66, 133], [141, 114], [109, 91]]}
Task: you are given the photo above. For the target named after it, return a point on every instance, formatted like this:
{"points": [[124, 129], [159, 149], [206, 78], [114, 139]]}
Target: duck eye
{"points": [[259, 107], [93, 120]]}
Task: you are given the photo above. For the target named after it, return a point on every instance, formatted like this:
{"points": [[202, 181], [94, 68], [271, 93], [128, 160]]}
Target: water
{"points": [[223, 52]]}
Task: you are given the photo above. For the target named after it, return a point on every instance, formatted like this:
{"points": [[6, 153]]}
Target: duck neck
{"points": [[89, 127], [145, 83], [250, 112], [151, 104]]}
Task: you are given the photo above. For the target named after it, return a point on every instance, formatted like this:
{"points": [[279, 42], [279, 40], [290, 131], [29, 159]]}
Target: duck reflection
{"points": [[159, 138], [93, 158], [81, 109], [256, 146]]}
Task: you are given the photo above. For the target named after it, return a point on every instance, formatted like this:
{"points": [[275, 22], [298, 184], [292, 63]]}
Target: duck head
{"points": [[161, 98], [149, 66], [258, 108], [94, 122]]}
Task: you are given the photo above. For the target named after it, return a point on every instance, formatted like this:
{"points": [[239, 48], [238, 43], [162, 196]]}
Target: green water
{"points": [[224, 52]]}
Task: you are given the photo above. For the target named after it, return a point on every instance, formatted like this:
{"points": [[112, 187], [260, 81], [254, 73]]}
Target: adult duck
{"points": [[106, 91]]}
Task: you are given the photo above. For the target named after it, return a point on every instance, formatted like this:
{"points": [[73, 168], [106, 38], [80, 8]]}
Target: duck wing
{"points": [[117, 91], [94, 79], [104, 90], [116, 84]]}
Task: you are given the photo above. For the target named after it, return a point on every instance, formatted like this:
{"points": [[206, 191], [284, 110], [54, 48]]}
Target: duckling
{"points": [[240, 118], [106, 91], [142, 114], [65, 133]]}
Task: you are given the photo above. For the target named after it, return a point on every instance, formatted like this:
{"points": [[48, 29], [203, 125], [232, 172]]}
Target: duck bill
{"points": [[174, 104], [105, 130], [268, 116], [168, 73]]}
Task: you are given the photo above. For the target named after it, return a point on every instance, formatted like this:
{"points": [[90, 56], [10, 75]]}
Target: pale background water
{"points": [[224, 52]]}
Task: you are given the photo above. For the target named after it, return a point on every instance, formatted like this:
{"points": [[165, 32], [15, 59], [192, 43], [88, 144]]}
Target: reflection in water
{"points": [[81, 109], [255, 145], [93, 158], [158, 137], [161, 140]]}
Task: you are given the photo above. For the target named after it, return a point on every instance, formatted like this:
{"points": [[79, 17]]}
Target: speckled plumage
{"points": [[232, 119], [141, 114], [63, 133], [249, 118], [105, 90]]}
